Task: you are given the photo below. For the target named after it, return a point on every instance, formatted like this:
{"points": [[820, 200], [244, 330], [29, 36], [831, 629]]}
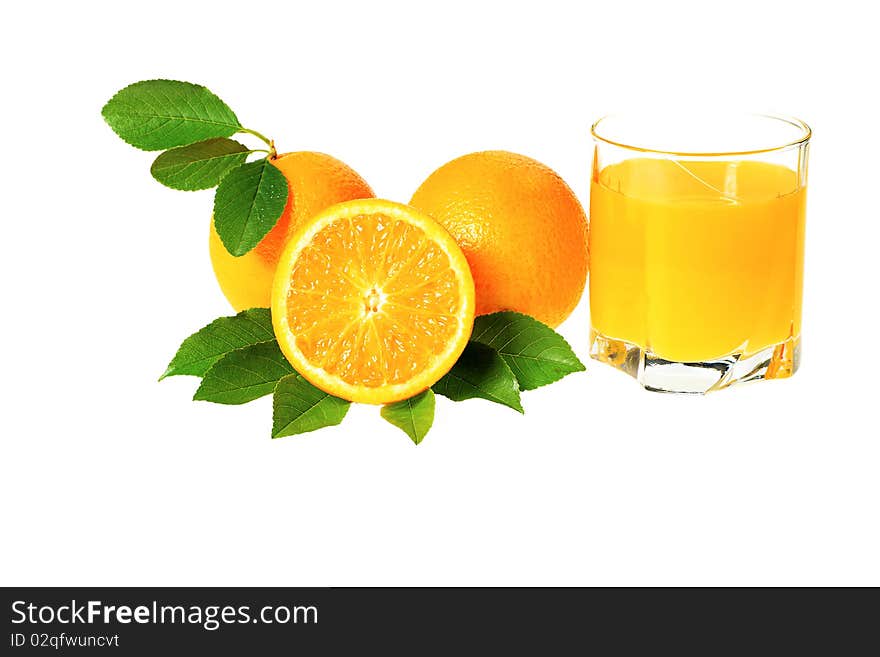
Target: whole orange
{"points": [[522, 229], [316, 181]]}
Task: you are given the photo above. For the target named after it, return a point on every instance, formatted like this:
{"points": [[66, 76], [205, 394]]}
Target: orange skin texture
{"points": [[521, 227], [316, 182]]}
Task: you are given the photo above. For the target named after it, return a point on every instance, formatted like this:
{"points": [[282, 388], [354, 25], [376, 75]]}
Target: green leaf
{"points": [[198, 166], [247, 205], [157, 114], [244, 374], [205, 347], [536, 353], [298, 407], [480, 372], [414, 416]]}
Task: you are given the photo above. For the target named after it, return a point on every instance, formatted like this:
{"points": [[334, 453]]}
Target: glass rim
{"points": [[804, 138]]}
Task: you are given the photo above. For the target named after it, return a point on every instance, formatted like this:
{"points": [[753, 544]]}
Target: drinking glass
{"points": [[697, 247]]}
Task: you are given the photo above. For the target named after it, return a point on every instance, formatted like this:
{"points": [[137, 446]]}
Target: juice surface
{"points": [[695, 260]]}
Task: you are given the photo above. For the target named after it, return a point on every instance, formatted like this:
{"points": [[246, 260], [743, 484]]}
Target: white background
{"points": [[110, 478]]}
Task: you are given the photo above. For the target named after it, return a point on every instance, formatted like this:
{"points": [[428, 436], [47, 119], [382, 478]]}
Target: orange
{"points": [[373, 301], [316, 181], [521, 227]]}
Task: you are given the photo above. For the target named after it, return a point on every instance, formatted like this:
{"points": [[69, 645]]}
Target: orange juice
{"points": [[696, 260]]}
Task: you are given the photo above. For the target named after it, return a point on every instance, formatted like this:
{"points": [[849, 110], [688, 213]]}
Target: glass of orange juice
{"points": [[697, 247]]}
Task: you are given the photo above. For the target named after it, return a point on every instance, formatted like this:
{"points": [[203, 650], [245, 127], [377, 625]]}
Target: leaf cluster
{"points": [[239, 360], [193, 127]]}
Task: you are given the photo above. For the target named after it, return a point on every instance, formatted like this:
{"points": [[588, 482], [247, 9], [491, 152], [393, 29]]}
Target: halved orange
{"points": [[372, 301]]}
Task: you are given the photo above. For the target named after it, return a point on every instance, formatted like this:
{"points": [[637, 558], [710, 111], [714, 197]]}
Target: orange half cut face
{"points": [[372, 301]]}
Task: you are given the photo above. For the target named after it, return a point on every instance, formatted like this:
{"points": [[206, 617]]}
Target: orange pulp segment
{"points": [[372, 301]]}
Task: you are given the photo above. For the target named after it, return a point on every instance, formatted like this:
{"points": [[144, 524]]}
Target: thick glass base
{"points": [[659, 375]]}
